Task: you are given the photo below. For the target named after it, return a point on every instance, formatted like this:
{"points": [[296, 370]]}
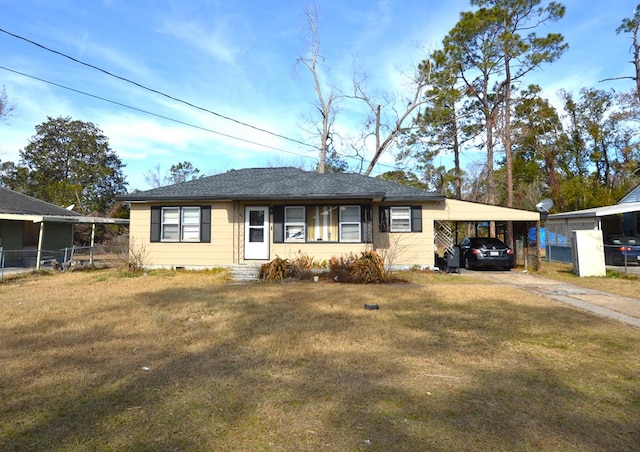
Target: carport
{"points": [[452, 212], [31, 229], [618, 219]]}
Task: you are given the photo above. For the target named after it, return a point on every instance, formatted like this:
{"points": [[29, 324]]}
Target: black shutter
{"points": [[156, 212], [384, 219], [278, 224], [367, 223], [205, 224], [416, 218]]}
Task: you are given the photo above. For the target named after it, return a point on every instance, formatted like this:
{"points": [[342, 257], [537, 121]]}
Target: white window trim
{"points": [[184, 224], [344, 223], [181, 224], [399, 213], [300, 224]]}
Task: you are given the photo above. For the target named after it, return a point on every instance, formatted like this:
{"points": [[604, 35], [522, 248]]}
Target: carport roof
{"points": [[456, 210], [20, 207], [598, 211]]}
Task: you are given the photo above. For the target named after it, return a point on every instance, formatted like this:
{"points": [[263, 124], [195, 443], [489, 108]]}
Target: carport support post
{"points": [[538, 257], [93, 240], [40, 237]]}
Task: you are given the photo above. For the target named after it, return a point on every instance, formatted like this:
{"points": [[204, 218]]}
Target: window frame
{"points": [[395, 218], [180, 224], [295, 224], [342, 223]]}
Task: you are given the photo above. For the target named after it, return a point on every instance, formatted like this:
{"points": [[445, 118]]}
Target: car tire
{"points": [[467, 265]]}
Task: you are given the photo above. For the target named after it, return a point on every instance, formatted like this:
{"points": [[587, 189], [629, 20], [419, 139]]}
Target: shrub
{"points": [[368, 268], [280, 269]]}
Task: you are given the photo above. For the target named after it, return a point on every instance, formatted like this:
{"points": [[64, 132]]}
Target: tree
{"points": [[326, 97], [443, 125], [6, 106], [631, 25], [493, 55], [539, 145], [387, 122], [178, 173], [70, 162]]}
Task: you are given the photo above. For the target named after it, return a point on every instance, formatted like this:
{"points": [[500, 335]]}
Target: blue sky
{"points": [[238, 59]]}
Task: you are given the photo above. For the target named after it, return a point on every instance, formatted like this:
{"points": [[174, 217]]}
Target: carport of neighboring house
{"points": [[453, 213], [618, 219]]}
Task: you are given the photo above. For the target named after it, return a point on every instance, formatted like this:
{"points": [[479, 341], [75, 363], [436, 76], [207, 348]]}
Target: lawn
{"points": [[188, 361]]}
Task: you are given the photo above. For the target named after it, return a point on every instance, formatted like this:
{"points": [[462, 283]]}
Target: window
{"points": [[349, 223], [190, 227], [294, 225], [322, 223], [181, 224], [170, 224], [400, 219]]}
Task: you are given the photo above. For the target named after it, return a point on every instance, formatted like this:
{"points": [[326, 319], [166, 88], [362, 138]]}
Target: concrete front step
{"points": [[245, 272]]}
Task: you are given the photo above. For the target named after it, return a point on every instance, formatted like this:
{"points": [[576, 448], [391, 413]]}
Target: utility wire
{"points": [[154, 114], [124, 79], [167, 96]]}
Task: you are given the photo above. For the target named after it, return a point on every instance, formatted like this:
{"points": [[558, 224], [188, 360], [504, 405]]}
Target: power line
{"points": [[124, 79], [169, 97], [154, 114]]}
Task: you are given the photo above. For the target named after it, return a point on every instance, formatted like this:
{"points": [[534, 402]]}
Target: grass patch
{"points": [[616, 282], [185, 361]]}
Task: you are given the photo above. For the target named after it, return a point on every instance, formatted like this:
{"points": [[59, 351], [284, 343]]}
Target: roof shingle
{"points": [[12, 202], [284, 184]]}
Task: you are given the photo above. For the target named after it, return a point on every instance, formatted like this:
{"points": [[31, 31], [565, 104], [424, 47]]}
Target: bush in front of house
{"points": [[368, 268], [281, 269]]}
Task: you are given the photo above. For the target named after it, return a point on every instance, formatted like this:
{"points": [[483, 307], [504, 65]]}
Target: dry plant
{"points": [[186, 361], [134, 257], [368, 268]]}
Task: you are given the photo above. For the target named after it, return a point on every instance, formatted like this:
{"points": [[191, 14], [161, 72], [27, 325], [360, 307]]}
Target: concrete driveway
{"points": [[623, 309]]}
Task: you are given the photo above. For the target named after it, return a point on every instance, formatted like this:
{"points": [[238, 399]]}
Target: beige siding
{"points": [[318, 251], [398, 249], [405, 249], [227, 241], [219, 252], [455, 210]]}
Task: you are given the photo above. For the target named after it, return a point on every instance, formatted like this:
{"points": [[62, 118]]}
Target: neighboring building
{"points": [[618, 219], [253, 215], [32, 230]]}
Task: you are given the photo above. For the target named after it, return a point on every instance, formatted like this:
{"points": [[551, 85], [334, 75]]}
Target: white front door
{"points": [[256, 233]]}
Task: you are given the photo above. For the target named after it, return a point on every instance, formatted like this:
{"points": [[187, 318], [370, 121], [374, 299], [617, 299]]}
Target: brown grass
{"points": [[302, 366]]}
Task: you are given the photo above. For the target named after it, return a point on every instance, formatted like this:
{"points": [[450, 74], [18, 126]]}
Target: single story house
{"points": [[32, 230], [254, 215]]}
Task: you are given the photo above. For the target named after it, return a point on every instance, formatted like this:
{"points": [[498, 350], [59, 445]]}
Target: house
{"points": [[253, 215], [32, 230]]}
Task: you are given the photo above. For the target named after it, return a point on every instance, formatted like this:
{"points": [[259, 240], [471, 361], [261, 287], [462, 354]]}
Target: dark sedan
{"points": [[483, 252], [621, 250]]}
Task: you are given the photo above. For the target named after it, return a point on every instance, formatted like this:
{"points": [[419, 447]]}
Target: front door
{"points": [[256, 233]]}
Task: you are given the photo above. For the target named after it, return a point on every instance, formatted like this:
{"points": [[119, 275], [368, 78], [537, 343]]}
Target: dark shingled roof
{"points": [[12, 202], [276, 184]]}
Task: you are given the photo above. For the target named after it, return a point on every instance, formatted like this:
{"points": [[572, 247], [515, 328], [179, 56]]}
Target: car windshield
{"points": [[487, 242]]}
